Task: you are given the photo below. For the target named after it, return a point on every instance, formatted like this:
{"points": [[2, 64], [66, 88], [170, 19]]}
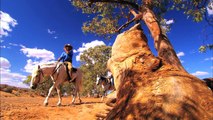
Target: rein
{"points": [[55, 69], [42, 73]]}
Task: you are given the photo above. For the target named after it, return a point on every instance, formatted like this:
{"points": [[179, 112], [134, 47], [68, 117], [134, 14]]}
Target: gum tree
{"points": [[93, 63], [148, 87], [109, 18]]}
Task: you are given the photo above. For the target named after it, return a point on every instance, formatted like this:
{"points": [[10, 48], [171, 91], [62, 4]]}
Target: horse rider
{"points": [[66, 57], [110, 78]]}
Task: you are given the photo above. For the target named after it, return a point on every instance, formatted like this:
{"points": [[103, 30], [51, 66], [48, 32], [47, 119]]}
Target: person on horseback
{"points": [[66, 57], [110, 78]]}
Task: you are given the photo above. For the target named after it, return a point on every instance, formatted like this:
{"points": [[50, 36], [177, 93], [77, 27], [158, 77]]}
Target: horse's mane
{"points": [[35, 70], [48, 64]]}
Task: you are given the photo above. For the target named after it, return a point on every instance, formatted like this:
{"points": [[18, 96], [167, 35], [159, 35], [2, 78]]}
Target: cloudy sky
{"points": [[35, 31]]}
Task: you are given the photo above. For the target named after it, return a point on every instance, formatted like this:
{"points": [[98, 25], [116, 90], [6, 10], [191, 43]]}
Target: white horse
{"points": [[57, 71], [106, 83]]}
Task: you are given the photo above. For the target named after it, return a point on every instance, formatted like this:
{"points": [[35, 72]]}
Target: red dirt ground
{"points": [[26, 107]]}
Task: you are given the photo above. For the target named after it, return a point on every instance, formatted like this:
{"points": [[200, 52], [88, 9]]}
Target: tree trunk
{"points": [[149, 88], [165, 50]]}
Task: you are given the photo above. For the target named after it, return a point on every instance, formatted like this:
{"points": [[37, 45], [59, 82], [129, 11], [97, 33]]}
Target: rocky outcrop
{"points": [[149, 88]]}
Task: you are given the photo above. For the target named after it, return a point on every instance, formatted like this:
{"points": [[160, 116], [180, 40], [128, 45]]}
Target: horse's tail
{"points": [[80, 79]]}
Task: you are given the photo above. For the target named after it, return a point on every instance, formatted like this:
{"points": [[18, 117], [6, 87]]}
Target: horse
{"points": [[58, 74], [106, 83]]}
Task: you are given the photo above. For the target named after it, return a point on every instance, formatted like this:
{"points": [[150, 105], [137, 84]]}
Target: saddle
{"points": [[74, 70]]}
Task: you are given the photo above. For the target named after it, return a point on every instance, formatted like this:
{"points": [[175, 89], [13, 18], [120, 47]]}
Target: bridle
{"points": [[40, 72]]}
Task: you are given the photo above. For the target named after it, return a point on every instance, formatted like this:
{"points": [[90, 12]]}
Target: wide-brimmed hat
{"points": [[68, 46]]}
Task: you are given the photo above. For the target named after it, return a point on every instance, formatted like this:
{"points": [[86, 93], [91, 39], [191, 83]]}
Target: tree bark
{"points": [[146, 90], [150, 87], [162, 44]]}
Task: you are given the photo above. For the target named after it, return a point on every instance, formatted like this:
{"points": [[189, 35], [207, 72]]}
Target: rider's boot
{"points": [[70, 74]]}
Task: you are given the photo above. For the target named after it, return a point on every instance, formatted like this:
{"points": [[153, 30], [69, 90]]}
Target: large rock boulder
{"points": [[149, 88]]}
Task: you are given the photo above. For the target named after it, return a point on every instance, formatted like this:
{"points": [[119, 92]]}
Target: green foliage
{"points": [[28, 80], [204, 47], [67, 88], [192, 8], [94, 62], [107, 16]]}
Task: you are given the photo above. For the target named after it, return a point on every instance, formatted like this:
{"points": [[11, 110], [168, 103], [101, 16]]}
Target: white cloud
{"points": [[166, 25], [38, 53], [8, 77], [210, 8], [168, 22], [180, 54], [13, 44], [5, 64], [50, 31], [207, 59], [3, 46], [37, 56], [6, 22], [200, 73], [181, 61], [86, 46]]}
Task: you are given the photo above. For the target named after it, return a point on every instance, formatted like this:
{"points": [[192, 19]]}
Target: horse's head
{"points": [[36, 77], [101, 80]]}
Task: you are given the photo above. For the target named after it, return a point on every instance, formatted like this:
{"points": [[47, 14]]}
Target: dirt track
{"points": [[31, 108]]}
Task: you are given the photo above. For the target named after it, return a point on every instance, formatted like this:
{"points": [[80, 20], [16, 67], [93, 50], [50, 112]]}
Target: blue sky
{"points": [[35, 31]]}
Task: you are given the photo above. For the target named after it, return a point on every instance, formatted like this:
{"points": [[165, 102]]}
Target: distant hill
{"points": [[16, 90]]}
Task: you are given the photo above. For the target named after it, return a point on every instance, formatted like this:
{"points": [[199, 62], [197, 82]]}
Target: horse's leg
{"points": [[59, 95], [74, 96], [79, 98], [102, 99], [78, 94], [49, 93]]}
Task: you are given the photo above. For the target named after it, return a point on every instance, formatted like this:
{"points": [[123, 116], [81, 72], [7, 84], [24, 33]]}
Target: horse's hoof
{"points": [[71, 104], [45, 104], [59, 104]]}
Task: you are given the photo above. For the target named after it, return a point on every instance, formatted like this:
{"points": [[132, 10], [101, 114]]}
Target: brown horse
{"points": [[57, 71]]}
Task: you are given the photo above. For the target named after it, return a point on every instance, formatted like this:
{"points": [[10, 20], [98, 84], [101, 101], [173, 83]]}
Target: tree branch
{"points": [[202, 4], [116, 1], [136, 18]]}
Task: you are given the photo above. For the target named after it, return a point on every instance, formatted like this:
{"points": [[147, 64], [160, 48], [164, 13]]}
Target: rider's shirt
{"points": [[67, 57]]}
